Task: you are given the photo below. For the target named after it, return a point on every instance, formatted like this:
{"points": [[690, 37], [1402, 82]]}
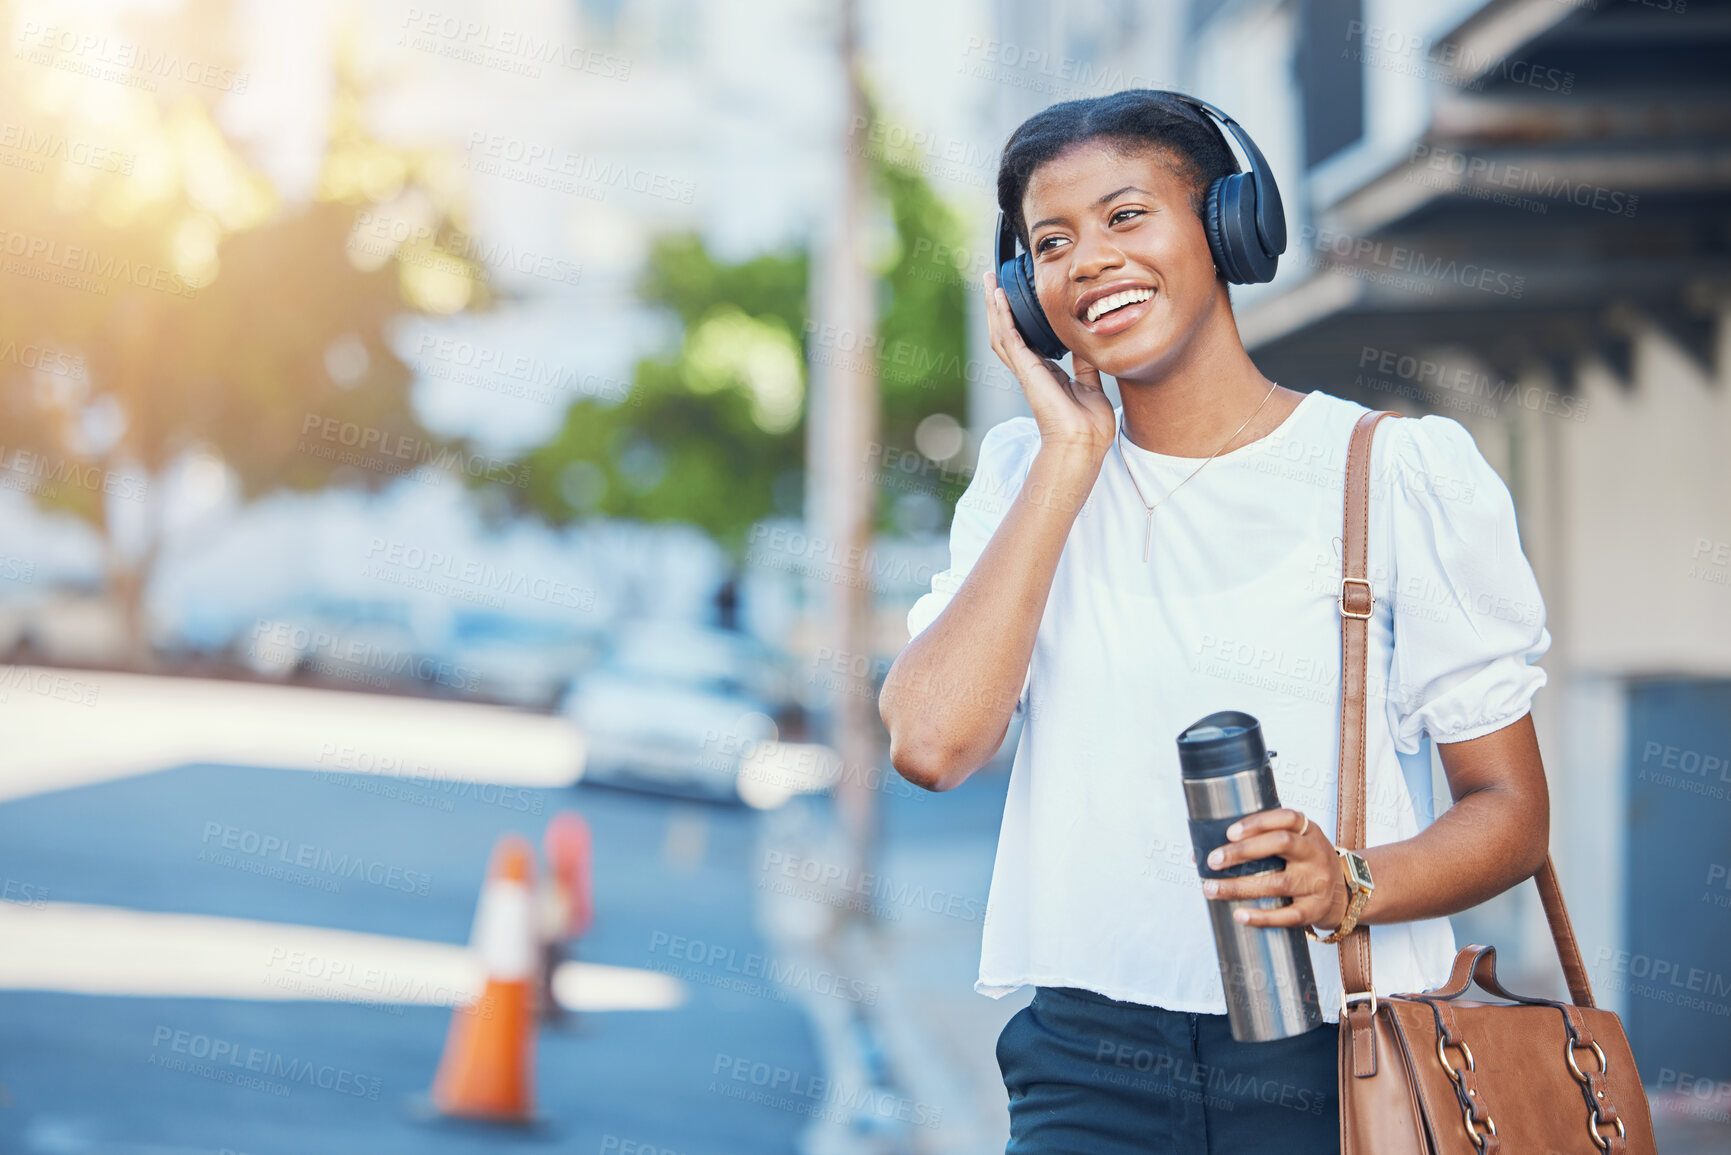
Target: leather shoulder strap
{"points": [[1563, 934], [1356, 603]]}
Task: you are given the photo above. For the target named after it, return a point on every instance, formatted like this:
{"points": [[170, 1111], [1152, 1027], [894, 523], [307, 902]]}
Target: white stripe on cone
{"points": [[504, 937]]}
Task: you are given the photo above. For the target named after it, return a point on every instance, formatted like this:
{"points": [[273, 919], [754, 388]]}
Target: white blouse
{"points": [[1093, 885]]}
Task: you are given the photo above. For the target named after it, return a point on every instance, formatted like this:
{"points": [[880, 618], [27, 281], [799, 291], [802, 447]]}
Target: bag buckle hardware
{"points": [[1340, 598], [1346, 1000], [1474, 1133], [1569, 1046], [1465, 1094], [1595, 1123], [1594, 1120], [1443, 1041]]}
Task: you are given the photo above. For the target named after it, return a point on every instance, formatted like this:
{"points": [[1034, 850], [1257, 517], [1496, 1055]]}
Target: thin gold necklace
{"points": [[1148, 531]]}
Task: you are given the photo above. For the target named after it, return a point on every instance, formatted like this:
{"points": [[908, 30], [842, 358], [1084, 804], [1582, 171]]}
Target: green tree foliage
{"points": [[708, 427], [923, 318], [923, 337], [712, 432]]}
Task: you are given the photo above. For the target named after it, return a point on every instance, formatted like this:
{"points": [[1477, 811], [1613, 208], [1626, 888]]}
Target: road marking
{"points": [[108, 950], [64, 728]]}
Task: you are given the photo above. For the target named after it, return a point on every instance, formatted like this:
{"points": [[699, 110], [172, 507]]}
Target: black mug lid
{"points": [[1224, 742]]}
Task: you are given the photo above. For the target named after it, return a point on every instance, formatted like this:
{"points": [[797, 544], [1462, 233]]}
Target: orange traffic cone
{"points": [[488, 1068], [567, 902]]}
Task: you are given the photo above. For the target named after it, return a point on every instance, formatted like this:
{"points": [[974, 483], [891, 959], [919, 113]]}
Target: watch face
{"points": [[1359, 869]]}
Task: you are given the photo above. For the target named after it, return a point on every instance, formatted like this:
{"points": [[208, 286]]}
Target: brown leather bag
{"points": [[1437, 1074]]}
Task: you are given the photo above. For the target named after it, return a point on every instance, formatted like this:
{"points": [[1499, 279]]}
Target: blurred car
{"points": [[348, 644], [516, 660], [677, 708], [697, 655]]}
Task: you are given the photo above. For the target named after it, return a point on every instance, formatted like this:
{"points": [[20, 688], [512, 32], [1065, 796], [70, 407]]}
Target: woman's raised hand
{"points": [[1071, 412]]}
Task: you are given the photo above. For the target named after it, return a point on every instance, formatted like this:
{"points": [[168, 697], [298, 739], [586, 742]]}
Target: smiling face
{"points": [[1121, 262]]}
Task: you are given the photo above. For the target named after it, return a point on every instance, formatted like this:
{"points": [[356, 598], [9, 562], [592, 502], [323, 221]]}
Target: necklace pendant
{"points": [[1147, 536]]}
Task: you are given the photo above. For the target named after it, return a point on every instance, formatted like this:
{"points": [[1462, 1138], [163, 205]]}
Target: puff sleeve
{"points": [[1468, 620], [1006, 453]]}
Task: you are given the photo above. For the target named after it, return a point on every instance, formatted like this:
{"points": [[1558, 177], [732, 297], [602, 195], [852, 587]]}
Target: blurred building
{"points": [[1041, 54], [1517, 214]]}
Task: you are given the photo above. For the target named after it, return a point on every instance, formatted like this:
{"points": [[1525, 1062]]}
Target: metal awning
{"points": [[1573, 188]]}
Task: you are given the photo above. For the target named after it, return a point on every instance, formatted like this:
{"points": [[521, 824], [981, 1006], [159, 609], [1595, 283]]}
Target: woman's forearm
{"points": [[1478, 848], [948, 698], [1492, 838]]}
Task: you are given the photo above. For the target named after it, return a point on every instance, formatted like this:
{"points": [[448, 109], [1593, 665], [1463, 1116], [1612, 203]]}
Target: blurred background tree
{"points": [[712, 432], [710, 426], [163, 312], [923, 344]]}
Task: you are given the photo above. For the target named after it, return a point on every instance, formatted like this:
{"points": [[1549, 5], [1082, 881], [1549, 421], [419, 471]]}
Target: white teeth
{"points": [[1107, 304]]}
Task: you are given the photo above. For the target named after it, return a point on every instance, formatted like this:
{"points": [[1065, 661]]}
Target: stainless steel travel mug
{"points": [[1270, 988]]}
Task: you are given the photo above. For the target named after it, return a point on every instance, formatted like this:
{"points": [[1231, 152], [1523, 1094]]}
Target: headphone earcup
{"points": [[1211, 228], [1016, 277], [1230, 218]]}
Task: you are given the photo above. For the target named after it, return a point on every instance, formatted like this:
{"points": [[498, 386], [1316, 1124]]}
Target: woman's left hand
{"points": [[1312, 878]]}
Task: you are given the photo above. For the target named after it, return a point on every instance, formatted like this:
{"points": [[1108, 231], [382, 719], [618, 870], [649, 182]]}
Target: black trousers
{"points": [[1088, 1075]]}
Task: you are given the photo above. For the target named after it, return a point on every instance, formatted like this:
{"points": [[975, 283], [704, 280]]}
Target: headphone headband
{"points": [[1270, 213]]}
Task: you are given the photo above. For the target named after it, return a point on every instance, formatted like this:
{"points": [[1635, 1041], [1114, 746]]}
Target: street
{"points": [[344, 1071]]}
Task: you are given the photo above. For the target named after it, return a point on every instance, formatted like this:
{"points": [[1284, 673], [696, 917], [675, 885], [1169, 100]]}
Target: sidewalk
{"points": [[921, 1032], [939, 1034]]}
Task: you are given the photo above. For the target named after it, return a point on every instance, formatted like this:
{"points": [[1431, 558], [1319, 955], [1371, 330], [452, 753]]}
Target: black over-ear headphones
{"points": [[1244, 221]]}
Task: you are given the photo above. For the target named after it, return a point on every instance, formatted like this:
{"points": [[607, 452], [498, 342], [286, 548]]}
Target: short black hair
{"points": [[1136, 118]]}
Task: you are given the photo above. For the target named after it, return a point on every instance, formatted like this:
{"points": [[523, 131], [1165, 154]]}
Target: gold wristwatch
{"points": [[1358, 888]]}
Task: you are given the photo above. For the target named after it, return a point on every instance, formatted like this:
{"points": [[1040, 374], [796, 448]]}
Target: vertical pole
{"points": [[843, 424]]}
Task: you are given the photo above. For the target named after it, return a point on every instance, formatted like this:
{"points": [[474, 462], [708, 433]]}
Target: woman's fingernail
{"points": [[1215, 858], [1209, 887], [1241, 915], [1234, 831]]}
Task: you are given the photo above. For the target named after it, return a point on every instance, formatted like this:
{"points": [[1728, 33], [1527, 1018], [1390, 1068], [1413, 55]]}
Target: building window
{"points": [[1330, 62]]}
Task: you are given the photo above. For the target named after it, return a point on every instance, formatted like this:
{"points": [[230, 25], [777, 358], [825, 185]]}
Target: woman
{"points": [[1117, 574]]}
